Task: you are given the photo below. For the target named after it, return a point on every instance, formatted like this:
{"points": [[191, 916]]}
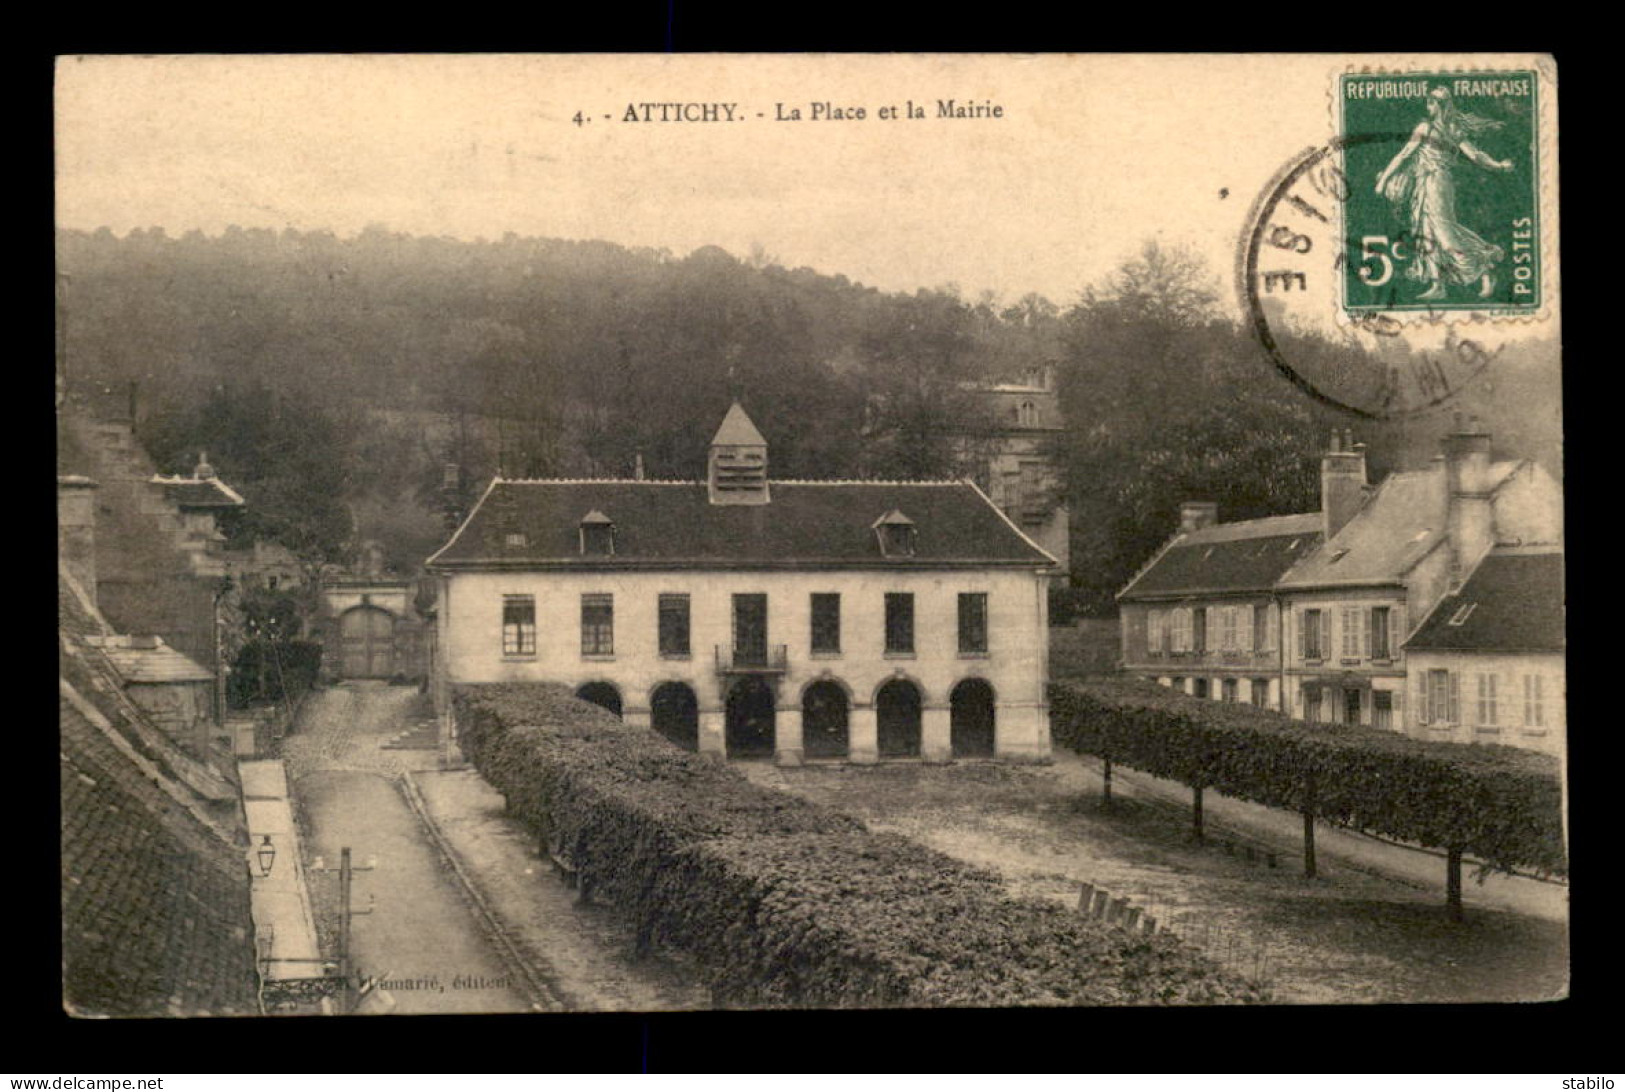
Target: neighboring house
{"points": [[173, 691], [1201, 616], [155, 887], [1487, 664], [743, 616], [155, 550], [1018, 458], [1388, 556]]}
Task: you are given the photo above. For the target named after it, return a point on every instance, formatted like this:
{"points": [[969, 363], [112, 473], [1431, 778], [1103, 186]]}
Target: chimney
{"points": [[202, 471], [1195, 515], [1469, 516], [737, 468], [1342, 482], [637, 466], [76, 529]]}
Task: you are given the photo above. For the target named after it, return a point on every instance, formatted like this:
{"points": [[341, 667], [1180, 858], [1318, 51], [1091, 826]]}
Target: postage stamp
{"points": [[1443, 206]]}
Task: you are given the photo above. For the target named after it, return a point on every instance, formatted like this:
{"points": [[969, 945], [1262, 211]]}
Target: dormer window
{"points": [[1464, 612], [597, 535], [1027, 415], [896, 533], [516, 540]]}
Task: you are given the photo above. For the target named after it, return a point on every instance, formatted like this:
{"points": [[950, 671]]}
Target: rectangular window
{"points": [[1311, 703], [1261, 628], [826, 622], [972, 621], [1353, 622], [1442, 698], [1534, 707], [1228, 629], [1379, 634], [1199, 688], [1182, 629], [899, 622], [1487, 712], [1199, 629], [518, 625], [1310, 634], [597, 625], [1261, 693], [1228, 688], [1153, 631], [674, 625], [1382, 707]]}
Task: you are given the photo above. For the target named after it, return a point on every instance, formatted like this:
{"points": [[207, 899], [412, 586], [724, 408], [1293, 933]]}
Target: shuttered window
{"points": [[1534, 706], [1380, 648], [1488, 712], [1313, 635]]}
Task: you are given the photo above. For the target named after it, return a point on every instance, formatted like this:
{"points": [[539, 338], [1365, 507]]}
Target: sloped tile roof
{"points": [[673, 524], [155, 906], [1397, 527], [153, 664], [1246, 556], [1513, 602], [737, 429]]}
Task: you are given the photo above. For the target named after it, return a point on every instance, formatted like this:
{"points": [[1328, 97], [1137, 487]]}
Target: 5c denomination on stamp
{"points": [[1443, 207]]}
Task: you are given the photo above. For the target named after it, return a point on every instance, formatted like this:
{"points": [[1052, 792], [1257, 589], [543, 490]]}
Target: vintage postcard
{"points": [[650, 533]]}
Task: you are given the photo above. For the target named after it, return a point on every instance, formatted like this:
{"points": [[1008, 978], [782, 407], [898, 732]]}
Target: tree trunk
{"points": [[1106, 783], [1452, 884], [1309, 828], [1196, 812]]}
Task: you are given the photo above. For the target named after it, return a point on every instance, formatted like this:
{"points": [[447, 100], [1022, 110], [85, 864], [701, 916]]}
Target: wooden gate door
{"points": [[367, 636]]}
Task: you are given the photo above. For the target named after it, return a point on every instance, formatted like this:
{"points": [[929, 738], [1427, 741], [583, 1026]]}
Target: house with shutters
{"points": [[1487, 664], [745, 616], [1201, 615], [1388, 555]]}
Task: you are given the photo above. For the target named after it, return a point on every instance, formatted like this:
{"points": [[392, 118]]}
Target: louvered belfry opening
{"points": [[737, 471]]}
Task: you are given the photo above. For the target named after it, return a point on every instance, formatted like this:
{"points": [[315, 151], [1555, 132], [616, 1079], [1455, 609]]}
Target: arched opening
{"points": [[674, 712], [970, 719], [601, 694], [750, 719], [367, 643], [824, 731], [897, 713]]}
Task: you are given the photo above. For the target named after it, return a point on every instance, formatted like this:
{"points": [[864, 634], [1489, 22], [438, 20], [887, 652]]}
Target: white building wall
{"points": [[1016, 663], [1513, 721], [1385, 675]]}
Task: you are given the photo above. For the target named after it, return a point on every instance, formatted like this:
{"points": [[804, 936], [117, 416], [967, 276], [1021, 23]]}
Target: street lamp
{"points": [[265, 854]]}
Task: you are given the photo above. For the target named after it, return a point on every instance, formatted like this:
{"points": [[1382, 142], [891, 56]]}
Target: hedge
{"points": [[1503, 805], [787, 903]]}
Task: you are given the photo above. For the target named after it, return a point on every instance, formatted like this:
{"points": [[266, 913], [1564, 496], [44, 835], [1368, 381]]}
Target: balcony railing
{"points": [[768, 660]]}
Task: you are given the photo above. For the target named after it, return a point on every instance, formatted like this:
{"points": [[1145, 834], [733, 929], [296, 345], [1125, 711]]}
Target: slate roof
{"points": [[737, 429], [1516, 602], [155, 907], [199, 492], [140, 662], [1246, 556], [1399, 525], [673, 524], [155, 903]]}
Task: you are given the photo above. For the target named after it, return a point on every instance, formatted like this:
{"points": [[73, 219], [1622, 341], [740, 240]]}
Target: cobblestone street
{"points": [[494, 932]]}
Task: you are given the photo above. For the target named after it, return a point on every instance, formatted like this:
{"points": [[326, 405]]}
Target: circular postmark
{"points": [[1345, 311]]}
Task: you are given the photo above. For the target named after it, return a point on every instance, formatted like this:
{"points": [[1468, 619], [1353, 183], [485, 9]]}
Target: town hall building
{"points": [[750, 617]]}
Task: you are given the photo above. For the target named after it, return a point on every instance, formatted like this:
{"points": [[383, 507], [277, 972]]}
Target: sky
{"points": [[1092, 155]]}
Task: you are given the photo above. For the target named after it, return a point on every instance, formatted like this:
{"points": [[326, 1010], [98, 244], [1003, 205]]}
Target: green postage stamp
{"points": [[1443, 173]]}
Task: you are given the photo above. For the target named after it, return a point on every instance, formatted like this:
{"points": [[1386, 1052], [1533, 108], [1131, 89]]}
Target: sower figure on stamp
{"points": [[1419, 182]]}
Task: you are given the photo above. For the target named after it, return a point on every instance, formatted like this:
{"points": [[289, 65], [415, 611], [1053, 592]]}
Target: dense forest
{"points": [[332, 380]]}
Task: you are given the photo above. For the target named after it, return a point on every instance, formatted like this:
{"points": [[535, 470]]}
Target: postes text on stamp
{"points": [[1443, 205]]}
